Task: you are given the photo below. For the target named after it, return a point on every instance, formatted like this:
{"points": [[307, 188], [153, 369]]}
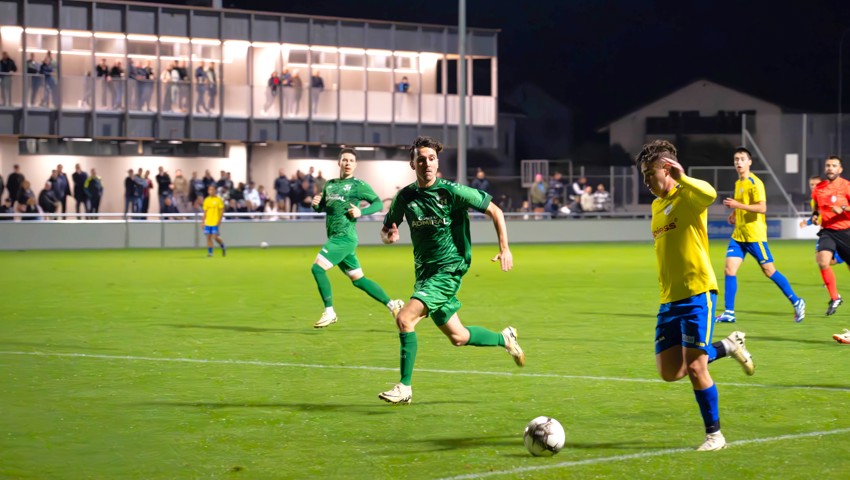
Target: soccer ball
{"points": [[264, 244], [544, 437]]}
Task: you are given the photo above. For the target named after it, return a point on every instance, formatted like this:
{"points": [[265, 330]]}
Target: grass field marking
{"points": [[395, 369], [656, 453]]}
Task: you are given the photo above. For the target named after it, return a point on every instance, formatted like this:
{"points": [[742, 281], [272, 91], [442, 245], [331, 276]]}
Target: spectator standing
{"points": [[317, 86], [79, 177], [33, 68], [272, 86], [147, 185], [212, 87], [196, 189], [480, 181], [182, 86], [94, 191], [116, 84], [201, 88], [25, 194], [537, 196], [62, 188], [298, 90], [282, 188], [252, 198], [102, 72], [164, 187], [13, 183], [51, 91], [403, 86], [181, 190], [7, 68]]}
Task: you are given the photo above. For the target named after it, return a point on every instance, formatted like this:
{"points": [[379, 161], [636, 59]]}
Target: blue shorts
{"points": [[759, 250], [835, 255], [208, 230], [688, 323]]}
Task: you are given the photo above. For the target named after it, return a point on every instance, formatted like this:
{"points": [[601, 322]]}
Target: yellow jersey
{"points": [[749, 226], [213, 211], [680, 230]]}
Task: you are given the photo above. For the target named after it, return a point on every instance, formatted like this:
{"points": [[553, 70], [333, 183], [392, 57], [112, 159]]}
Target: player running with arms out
{"points": [[213, 213], [340, 200], [750, 237], [437, 214], [831, 199], [688, 286]]}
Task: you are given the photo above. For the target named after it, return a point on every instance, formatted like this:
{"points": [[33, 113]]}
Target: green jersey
{"points": [[338, 195], [439, 224]]}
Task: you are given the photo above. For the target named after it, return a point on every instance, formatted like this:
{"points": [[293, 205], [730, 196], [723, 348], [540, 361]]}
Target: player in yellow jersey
{"points": [[750, 237], [213, 213], [688, 286]]}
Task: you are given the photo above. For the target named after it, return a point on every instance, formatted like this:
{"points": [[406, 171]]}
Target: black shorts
{"points": [[836, 241]]}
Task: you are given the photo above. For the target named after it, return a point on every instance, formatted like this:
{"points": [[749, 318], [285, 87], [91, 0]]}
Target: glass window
{"points": [[110, 50], [379, 60], [269, 79], [234, 81], [142, 66], [41, 66], [206, 61], [10, 81], [77, 64], [323, 91], [175, 78]]}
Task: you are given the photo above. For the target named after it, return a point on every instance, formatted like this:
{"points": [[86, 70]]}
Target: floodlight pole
{"points": [[840, 119], [461, 92]]}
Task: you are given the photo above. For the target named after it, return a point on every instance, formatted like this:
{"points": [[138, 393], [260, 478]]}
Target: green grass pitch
{"points": [[167, 364]]}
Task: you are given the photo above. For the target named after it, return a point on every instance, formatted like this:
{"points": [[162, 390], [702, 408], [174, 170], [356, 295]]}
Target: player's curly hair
{"points": [[655, 150], [347, 150], [424, 142]]}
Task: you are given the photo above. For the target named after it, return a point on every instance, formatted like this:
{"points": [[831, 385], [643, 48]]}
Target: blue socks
{"points": [[709, 408], [731, 291], [783, 285]]}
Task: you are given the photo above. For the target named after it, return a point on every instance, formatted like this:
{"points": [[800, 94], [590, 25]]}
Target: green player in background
{"points": [[437, 214], [340, 200]]}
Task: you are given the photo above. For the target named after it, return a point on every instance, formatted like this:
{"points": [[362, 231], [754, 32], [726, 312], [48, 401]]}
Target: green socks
{"points": [[372, 289], [481, 337], [408, 355], [324, 284]]}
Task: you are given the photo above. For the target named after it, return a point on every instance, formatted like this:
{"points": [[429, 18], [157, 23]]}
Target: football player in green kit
{"points": [[437, 214], [340, 200]]}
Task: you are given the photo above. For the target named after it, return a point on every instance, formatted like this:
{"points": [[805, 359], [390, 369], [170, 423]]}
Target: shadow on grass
{"points": [[372, 409], [441, 444], [76, 348], [791, 339], [238, 328]]}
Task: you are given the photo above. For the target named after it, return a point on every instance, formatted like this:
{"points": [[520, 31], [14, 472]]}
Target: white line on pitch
{"points": [[395, 369], [656, 453]]}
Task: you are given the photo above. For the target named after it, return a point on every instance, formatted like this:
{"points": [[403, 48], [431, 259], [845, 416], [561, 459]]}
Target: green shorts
{"points": [[339, 251], [438, 292]]}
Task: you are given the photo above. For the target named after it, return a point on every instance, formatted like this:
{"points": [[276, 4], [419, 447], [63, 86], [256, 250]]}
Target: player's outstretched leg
{"points": [[736, 347], [324, 285], [512, 346]]}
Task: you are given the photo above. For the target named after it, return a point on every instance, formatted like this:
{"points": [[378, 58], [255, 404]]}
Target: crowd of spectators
{"points": [[552, 198]]}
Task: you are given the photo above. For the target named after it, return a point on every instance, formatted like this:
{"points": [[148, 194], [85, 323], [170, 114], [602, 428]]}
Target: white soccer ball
{"points": [[264, 244], [544, 437]]}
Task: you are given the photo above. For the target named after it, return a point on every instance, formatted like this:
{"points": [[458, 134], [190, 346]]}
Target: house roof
{"points": [[604, 128]]}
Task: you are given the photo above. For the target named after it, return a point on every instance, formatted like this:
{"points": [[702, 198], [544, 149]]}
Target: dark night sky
{"points": [[603, 58]]}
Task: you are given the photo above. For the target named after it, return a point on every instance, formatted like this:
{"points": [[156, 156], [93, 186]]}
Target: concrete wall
{"points": [[187, 234]]}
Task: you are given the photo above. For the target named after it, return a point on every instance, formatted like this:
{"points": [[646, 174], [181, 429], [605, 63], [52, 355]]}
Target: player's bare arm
{"points": [[504, 256]]}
